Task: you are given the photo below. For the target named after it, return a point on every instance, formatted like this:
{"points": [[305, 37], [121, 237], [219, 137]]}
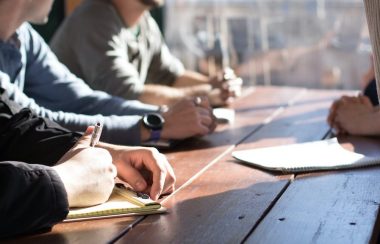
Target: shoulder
{"points": [[92, 20], [29, 37], [26, 32], [93, 13], [150, 24]]}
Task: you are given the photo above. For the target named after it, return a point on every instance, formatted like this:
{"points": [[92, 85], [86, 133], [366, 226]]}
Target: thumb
{"points": [[86, 137]]}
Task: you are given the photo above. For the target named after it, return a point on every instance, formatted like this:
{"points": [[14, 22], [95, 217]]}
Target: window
{"points": [[310, 43]]}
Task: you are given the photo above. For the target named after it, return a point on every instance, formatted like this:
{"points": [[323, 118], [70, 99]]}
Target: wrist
{"points": [[153, 122]]}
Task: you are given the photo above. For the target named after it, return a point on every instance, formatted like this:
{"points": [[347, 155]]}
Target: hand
{"points": [[225, 88], [87, 173], [145, 169], [186, 119], [354, 115]]}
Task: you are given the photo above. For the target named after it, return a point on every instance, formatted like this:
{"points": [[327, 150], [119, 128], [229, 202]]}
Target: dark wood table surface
{"points": [[218, 200]]}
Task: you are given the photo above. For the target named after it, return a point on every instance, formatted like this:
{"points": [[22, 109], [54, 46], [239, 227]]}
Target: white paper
{"points": [[318, 155]]}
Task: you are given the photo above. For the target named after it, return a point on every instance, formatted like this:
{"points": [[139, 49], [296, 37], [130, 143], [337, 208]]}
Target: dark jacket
{"points": [[32, 196]]}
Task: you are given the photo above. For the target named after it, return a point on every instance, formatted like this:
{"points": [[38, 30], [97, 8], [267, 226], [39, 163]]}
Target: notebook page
{"points": [[316, 155]]}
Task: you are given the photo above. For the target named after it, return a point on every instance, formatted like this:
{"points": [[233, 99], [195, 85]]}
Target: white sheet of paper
{"points": [[224, 115], [318, 155]]}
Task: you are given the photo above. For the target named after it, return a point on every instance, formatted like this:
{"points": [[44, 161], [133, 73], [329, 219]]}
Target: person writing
{"points": [[46, 169], [34, 78], [116, 46]]}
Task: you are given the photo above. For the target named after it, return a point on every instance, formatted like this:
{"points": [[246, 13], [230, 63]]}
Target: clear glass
{"points": [[309, 43]]}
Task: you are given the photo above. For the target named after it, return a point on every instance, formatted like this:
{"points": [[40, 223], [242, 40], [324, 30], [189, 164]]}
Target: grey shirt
{"points": [[97, 46]]}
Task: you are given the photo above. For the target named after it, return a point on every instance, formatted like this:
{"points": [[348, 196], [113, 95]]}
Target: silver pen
{"points": [[96, 134]]}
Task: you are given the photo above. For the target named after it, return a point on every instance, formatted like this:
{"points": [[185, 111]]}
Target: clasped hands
{"points": [[355, 116], [226, 87]]}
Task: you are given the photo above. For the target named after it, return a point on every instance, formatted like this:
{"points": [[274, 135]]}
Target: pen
{"points": [[96, 134]]}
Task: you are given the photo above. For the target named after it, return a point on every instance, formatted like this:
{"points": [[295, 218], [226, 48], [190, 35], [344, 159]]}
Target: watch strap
{"points": [[155, 135]]}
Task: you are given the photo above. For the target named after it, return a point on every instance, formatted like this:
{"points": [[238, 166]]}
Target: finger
{"points": [[333, 111], [154, 162], [330, 117], [85, 139], [133, 177], [366, 101], [238, 82], [203, 128], [206, 119], [213, 125], [204, 111], [204, 102], [159, 177], [114, 171], [170, 178]]}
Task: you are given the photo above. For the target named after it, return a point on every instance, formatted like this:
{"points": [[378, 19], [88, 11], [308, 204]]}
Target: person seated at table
{"points": [[45, 169], [357, 115], [34, 78], [116, 46]]}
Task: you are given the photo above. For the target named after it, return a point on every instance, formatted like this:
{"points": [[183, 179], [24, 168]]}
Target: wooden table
{"points": [[219, 200]]}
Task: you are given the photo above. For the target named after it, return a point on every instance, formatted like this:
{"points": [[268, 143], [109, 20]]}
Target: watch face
{"points": [[153, 121]]}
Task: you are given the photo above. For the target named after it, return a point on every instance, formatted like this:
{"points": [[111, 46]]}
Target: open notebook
{"points": [[302, 157], [122, 202]]}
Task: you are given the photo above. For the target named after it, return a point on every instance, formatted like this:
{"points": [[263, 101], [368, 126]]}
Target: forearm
{"points": [[165, 95], [118, 129], [160, 94], [27, 137], [191, 78]]}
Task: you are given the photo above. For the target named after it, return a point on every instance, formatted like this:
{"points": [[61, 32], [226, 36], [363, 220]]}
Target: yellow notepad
{"points": [[122, 202]]}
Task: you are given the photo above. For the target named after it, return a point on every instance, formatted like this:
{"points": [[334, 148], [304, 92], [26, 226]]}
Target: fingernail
{"points": [[156, 196]]}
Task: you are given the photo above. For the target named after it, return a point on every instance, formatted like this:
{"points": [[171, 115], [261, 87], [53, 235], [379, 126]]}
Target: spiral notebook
{"points": [[122, 202], [311, 156]]}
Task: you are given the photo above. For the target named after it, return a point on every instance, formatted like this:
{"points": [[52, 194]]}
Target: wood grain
{"points": [[226, 202], [340, 207]]}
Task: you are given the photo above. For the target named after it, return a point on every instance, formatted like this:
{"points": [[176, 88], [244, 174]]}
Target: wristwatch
{"points": [[154, 122]]}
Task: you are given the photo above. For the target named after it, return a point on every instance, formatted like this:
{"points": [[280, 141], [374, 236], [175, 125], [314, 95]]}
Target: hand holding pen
{"points": [[87, 172], [145, 169]]}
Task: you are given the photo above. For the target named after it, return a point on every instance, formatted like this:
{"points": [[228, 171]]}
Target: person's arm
{"points": [[52, 85], [355, 116], [116, 127], [32, 198], [29, 138]]}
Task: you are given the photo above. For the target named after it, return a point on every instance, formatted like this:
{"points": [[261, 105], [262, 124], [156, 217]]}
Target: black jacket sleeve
{"points": [[32, 196], [28, 138]]}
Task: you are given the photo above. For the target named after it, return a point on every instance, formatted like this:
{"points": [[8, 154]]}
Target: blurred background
{"points": [[308, 43]]}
